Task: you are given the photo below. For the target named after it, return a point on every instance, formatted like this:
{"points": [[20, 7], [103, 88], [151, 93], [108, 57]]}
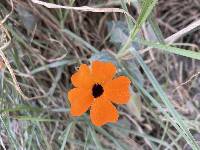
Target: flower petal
{"points": [[82, 78], [117, 90], [80, 100], [103, 111], [103, 71]]}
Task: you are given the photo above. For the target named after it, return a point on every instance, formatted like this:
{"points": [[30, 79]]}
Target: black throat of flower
{"points": [[97, 90]]}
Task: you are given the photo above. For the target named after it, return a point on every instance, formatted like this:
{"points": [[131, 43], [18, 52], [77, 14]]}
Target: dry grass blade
{"points": [[83, 8], [189, 80], [182, 32]]}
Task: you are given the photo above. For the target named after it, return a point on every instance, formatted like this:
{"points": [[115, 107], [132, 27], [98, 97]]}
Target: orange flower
{"points": [[96, 88]]}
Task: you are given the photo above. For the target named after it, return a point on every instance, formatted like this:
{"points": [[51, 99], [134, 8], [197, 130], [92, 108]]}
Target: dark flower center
{"points": [[97, 90]]}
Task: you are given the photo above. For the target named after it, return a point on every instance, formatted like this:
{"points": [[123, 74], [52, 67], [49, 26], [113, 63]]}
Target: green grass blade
{"points": [[156, 29], [146, 9], [117, 143], [30, 118], [171, 49], [96, 141], [54, 65], [80, 40], [6, 125], [66, 135]]}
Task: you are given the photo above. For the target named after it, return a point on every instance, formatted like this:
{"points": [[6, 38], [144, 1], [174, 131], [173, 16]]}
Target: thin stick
{"points": [[83, 8]]}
